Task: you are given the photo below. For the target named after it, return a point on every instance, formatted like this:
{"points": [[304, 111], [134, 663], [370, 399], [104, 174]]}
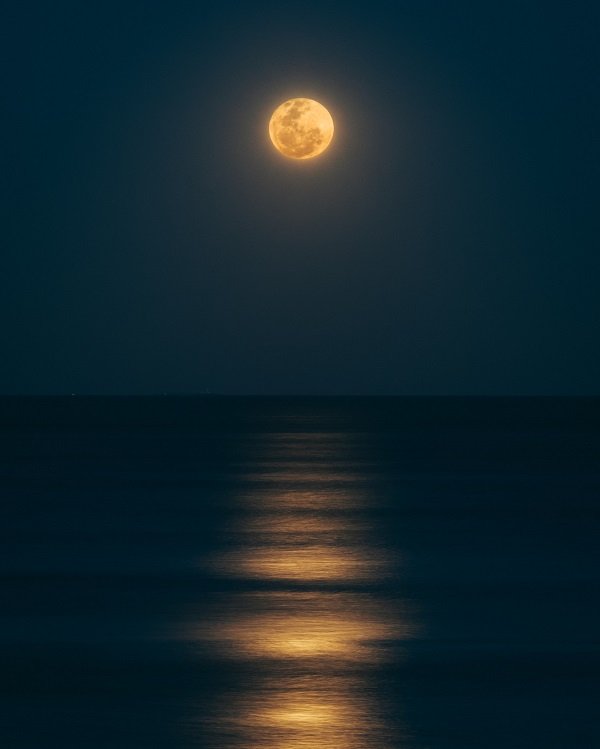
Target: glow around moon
{"points": [[301, 128]]}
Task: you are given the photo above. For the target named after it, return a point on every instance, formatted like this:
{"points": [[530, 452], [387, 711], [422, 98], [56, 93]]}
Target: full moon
{"points": [[301, 128]]}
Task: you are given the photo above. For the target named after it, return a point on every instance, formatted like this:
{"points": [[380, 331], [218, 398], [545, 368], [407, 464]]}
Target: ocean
{"points": [[299, 573]]}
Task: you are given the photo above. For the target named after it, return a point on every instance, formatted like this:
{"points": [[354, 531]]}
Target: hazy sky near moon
{"points": [[446, 242]]}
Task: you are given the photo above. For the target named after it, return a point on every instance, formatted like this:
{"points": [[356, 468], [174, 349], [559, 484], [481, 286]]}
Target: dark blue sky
{"points": [[447, 243]]}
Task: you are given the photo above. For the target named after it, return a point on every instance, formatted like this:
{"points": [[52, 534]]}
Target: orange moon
{"points": [[301, 128]]}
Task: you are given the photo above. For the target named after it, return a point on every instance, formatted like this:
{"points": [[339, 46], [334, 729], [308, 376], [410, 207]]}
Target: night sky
{"points": [[446, 243]]}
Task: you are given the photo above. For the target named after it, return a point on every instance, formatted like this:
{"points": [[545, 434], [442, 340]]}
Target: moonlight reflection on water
{"points": [[306, 610]]}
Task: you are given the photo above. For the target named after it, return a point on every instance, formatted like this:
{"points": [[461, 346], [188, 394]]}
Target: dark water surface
{"points": [[238, 573]]}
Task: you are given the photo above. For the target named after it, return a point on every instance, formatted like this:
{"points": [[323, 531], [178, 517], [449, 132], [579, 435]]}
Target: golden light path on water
{"points": [[315, 626], [311, 563], [302, 624], [306, 712]]}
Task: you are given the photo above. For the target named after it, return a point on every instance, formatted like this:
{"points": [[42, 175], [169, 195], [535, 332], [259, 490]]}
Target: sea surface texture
{"points": [[300, 573]]}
